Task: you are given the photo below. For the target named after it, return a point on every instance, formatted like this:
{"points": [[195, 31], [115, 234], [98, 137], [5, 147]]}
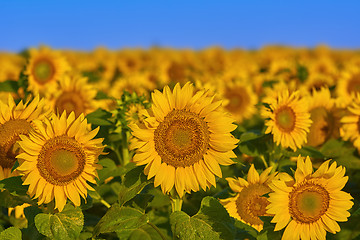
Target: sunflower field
{"points": [[180, 144]]}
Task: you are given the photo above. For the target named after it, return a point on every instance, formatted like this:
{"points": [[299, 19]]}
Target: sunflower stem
{"points": [[157, 230], [264, 161], [105, 203], [176, 201], [50, 207], [125, 149]]}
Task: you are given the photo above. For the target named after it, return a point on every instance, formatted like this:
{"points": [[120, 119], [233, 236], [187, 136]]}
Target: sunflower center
{"points": [[308, 202], [70, 102], [182, 138], [251, 204], [61, 160], [9, 135], [285, 119], [238, 99], [43, 71]]}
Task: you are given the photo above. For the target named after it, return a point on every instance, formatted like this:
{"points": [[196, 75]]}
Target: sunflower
{"points": [[185, 141], [249, 202], [288, 120], [317, 81], [74, 94], [325, 117], [135, 82], [136, 113], [271, 93], [313, 204], [349, 84], [59, 158], [11, 66], [45, 67], [14, 121], [350, 129], [239, 99]]}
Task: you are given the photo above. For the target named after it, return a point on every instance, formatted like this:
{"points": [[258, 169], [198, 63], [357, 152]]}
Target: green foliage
{"points": [[343, 153], [11, 233], [122, 220], [99, 118], [9, 86], [302, 73], [61, 226], [14, 185], [253, 144], [211, 222], [134, 182], [125, 204]]}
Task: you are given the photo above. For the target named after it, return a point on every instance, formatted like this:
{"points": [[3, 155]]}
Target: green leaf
{"points": [[248, 136], [14, 185], [342, 153], [146, 232], [122, 220], [31, 232], [336, 148], [63, 225], [101, 95], [9, 200], [304, 151], [134, 183], [11, 233], [9, 86], [302, 73], [253, 144], [268, 230], [211, 222], [99, 118]]}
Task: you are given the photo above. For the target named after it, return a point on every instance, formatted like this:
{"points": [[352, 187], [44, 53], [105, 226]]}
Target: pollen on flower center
{"points": [[251, 204], [285, 119], [61, 160], [64, 162], [43, 71], [182, 138], [9, 134], [70, 102], [308, 202]]}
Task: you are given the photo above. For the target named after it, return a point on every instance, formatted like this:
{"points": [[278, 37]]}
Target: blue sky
{"points": [[84, 25]]}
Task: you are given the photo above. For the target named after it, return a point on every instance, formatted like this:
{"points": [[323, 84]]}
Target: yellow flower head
{"points": [[184, 142], [58, 159], [288, 120], [14, 121], [324, 116], [349, 84], [317, 81], [249, 202], [136, 113], [45, 67], [350, 129], [74, 95], [313, 204], [239, 99], [11, 66], [136, 82]]}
